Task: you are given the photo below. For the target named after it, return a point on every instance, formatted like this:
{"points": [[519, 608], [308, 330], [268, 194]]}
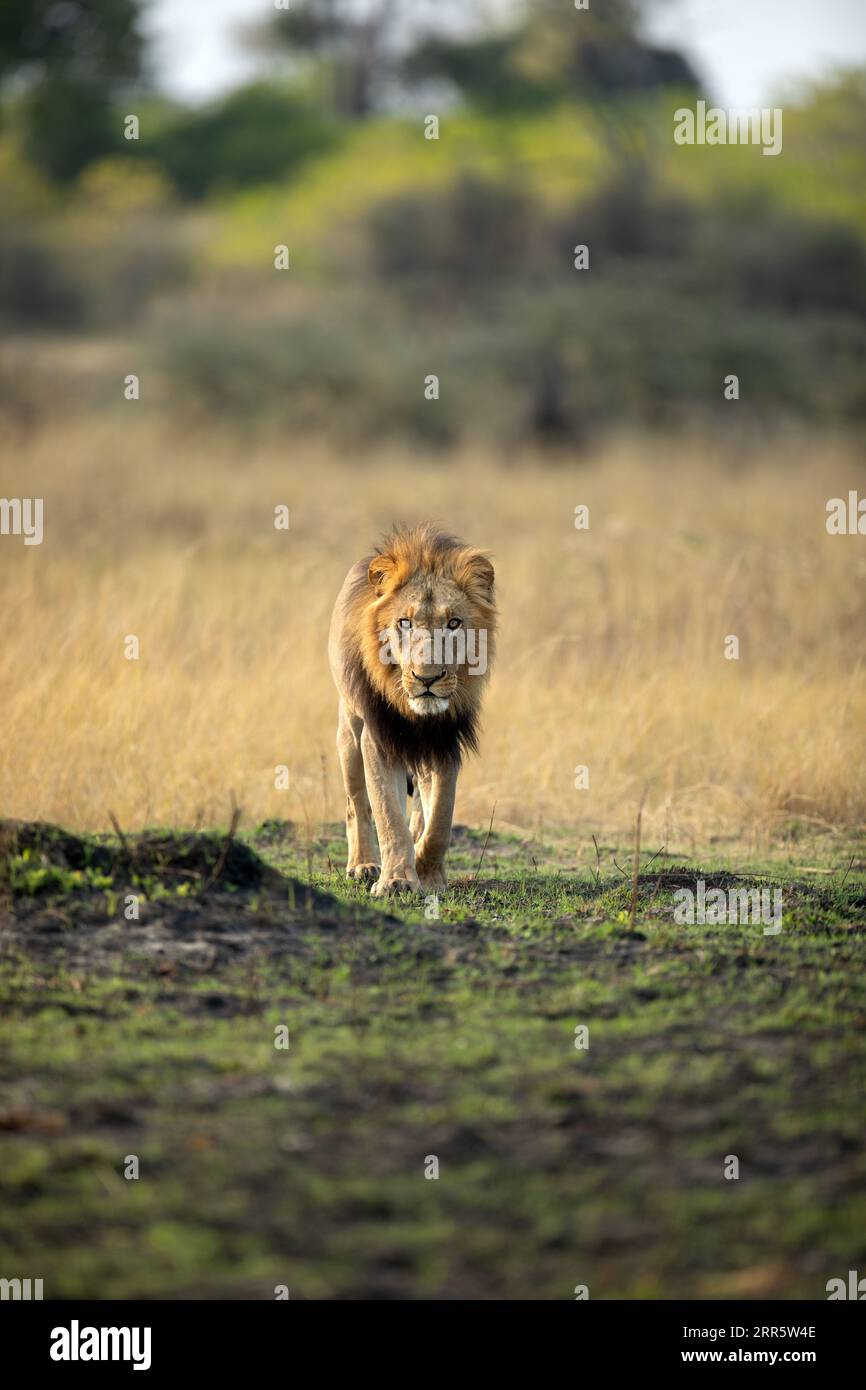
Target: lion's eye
{"points": [[453, 622], [405, 622]]}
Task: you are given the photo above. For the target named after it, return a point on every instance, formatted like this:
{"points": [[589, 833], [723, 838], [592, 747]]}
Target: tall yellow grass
{"points": [[611, 653]]}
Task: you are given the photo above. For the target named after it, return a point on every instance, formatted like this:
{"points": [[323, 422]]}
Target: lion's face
{"points": [[434, 632], [424, 627]]}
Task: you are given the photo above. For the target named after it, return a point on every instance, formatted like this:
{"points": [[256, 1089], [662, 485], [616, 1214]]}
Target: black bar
{"points": [[238, 1338]]}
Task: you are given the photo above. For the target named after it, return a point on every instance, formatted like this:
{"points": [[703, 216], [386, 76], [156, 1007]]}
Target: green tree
{"points": [[255, 134], [71, 59], [355, 48], [352, 48], [552, 52]]}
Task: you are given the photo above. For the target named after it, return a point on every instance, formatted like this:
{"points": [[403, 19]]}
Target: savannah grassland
{"points": [[612, 647], [413, 1037]]}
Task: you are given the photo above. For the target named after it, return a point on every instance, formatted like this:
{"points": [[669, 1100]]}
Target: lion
{"points": [[411, 643]]}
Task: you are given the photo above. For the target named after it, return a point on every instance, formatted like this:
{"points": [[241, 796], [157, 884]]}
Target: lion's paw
{"points": [[433, 877], [363, 873], [396, 886]]}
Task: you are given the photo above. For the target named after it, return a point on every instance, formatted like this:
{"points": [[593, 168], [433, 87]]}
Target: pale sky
{"points": [[748, 51]]}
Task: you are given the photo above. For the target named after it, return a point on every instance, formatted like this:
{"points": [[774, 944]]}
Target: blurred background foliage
{"points": [[412, 256]]}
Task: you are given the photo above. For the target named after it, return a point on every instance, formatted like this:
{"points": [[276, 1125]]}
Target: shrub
{"points": [[36, 288], [253, 136]]}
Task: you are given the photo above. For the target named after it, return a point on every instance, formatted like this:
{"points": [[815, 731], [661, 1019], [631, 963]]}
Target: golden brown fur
{"points": [[412, 639], [375, 603]]}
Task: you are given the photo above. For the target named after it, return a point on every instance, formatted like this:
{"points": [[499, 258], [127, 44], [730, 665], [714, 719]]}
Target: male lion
{"points": [[411, 643]]}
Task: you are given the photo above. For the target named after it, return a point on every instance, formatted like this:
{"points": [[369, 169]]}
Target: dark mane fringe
{"points": [[435, 740]]}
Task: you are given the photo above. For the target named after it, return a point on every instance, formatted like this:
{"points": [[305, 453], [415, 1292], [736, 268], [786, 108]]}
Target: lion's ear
{"points": [[381, 570], [478, 574]]}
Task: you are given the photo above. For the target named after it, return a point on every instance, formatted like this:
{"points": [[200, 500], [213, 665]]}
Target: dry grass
{"points": [[612, 649]]}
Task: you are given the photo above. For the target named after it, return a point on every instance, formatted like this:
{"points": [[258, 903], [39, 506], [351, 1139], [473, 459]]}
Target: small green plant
{"points": [[31, 874]]}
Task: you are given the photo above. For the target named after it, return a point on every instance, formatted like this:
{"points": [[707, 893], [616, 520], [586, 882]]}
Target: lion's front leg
{"points": [[386, 786], [363, 860], [438, 790], [416, 814], [363, 856]]}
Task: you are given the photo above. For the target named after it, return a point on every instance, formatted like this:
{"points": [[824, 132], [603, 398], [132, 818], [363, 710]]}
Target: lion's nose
{"points": [[427, 681]]}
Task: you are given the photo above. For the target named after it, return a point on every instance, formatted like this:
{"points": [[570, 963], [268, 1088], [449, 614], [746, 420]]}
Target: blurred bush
{"points": [[477, 231], [97, 258], [321, 373], [798, 265], [122, 240], [257, 134], [413, 257], [549, 362], [35, 288]]}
